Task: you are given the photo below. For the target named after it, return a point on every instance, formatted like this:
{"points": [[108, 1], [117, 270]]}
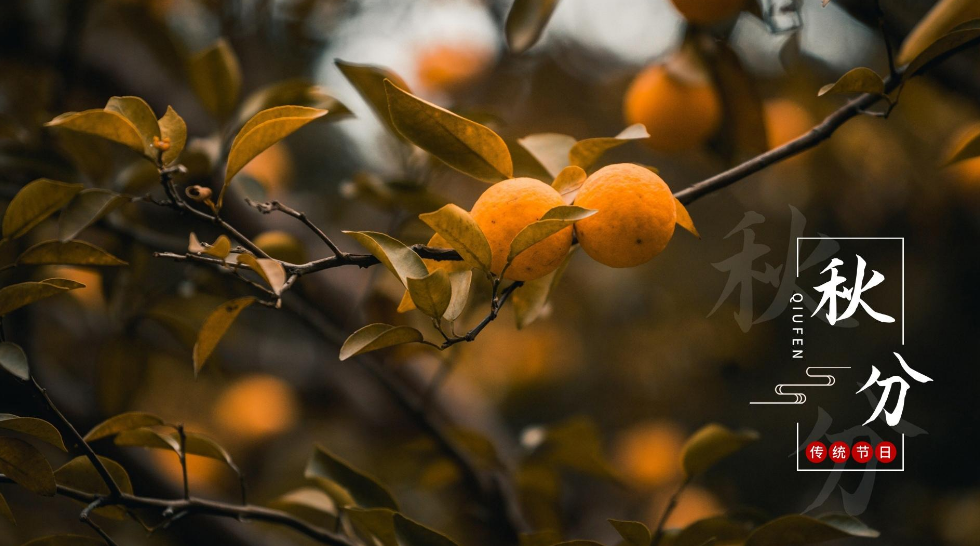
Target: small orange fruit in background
{"points": [[272, 169], [785, 119], [447, 67], [708, 12], [635, 219], [508, 207], [677, 102], [256, 407], [649, 453]]}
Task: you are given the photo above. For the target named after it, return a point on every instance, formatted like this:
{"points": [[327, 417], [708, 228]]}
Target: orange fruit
{"points": [[677, 102], [508, 207], [635, 219], [785, 119], [708, 12], [649, 453], [256, 407], [447, 67]]}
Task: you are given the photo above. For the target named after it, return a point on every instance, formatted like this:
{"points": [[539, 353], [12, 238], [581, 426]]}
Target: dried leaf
{"points": [[215, 327], [461, 231], [378, 336], [35, 202], [462, 144]]}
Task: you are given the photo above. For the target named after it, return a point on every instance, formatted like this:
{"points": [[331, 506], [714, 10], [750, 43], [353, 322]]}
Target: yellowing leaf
{"points": [[460, 283], [857, 80], [462, 144], [15, 296], [552, 222], [373, 523], [292, 92], [271, 271], [800, 530], [586, 152], [377, 336], [122, 422], [461, 231], [526, 21], [79, 473], [941, 49], [531, 299], [633, 532], [569, 181], [26, 466], [431, 293], [549, 149], [684, 218], [69, 253], [35, 202], [308, 503], [216, 78], [711, 444], [214, 329], [369, 81], [172, 126], [14, 360], [141, 116], [401, 260], [943, 17], [89, 206], [412, 533], [102, 123], [262, 131], [363, 488]]}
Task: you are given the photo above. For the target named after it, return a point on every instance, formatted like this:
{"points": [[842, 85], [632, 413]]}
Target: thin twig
{"points": [[495, 305], [114, 490], [206, 507], [266, 208], [183, 459], [671, 504], [85, 518]]}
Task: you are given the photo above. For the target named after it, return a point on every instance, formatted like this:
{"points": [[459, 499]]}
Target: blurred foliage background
{"points": [[634, 350]]}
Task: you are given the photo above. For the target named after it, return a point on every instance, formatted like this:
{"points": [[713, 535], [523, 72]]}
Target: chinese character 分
{"points": [[895, 416], [853, 294]]}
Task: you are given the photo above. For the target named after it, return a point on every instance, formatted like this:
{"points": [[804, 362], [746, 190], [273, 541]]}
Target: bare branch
{"points": [[266, 208]]}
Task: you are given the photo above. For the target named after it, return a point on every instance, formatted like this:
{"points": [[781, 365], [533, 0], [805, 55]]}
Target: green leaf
{"points": [[68, 253], [378, 336], [569, 181], [462, 144], [32, 426], [214, 329], [376, 523], [531, 299], [857, 80], [35, 202], [551, 150], [24, 464], [413, 533], [65, 540], [460, 283], [106, 124], [79, 473], [633, 532], [6, 513], [15, 296], [262, 131], [799, 530], [711, 444], [526, 21], [431, 293], [719, 529], [944, 16], [401, 260], [121, 423], [684, 218], [89, 206], [552, 222], [363, 488], [941, 50], [14, 360], [216, 78], [141, 116], [369, 81], [172, 126], [461, 231], [586, 152]]}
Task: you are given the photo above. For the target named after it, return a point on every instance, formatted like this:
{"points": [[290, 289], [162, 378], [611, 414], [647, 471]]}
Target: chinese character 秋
{"points": [[853, 295]]}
